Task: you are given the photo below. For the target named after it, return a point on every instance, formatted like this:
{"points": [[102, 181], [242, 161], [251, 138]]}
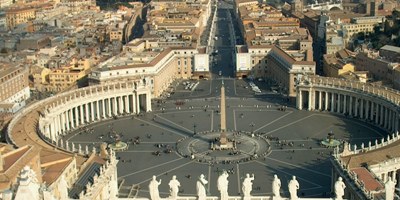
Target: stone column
{"points": [[52, 131], [372, 111], [148, 102], [63, 121], [344, 104], [97, 110], [114, 102], [109, 107], [362, 109], [134, 103], [103, 106], [71, 117], [76, 112], [396, 122], [367, 110], [138, 103], [81, 115], [385, 121], [390, 120], [67, 117], [326, 100], [381, 116], [394, 175], [332, 102], [356, 107], [127, 107], [86, 112], [351, 106], [299, 100], [121, 105], [55, 127], [339, 103], [320, 100], [92, 117], [311, 99], [377, 113], [47, 130]]}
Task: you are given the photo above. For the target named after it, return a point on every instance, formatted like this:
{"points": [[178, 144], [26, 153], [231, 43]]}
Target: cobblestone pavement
{"points": [[294, 136]]}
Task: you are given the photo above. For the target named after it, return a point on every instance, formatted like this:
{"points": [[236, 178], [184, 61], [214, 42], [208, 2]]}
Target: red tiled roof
{"points": [[370, 183]]}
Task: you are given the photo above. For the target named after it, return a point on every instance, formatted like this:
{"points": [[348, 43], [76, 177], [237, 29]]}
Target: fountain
{"points": [[118, 145], [330, 141]]}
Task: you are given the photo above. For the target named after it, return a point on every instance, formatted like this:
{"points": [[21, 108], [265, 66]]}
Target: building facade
{"points": [[14, 88]]}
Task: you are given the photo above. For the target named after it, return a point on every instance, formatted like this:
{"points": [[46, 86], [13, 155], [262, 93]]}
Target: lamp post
{"points": [[194, 128], [251, 126]]}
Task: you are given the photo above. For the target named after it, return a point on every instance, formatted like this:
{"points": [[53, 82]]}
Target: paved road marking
{"points": [[155, 166], [304, 149], [161, 127], [209, 178], [273, 121], [293, 165], [354, 121], [289, 124], [282, 171], [175, 124], [212, 120], [164, 172], [234, 119], [238, 177]]}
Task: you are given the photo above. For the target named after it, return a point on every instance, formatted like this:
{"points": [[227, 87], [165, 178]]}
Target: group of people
{"points": [[247, 186]]}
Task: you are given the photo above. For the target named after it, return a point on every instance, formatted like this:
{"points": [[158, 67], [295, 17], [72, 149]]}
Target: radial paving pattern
{"points": [[294, 145]]}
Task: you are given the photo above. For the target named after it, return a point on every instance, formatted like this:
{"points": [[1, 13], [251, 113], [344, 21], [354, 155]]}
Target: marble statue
{"points": [[276, 186], [63, 188], [389, 189], [339, 189], [293, 187], [153, 189], [247, 185], [223, 185], [174, 187], [201, 187]]}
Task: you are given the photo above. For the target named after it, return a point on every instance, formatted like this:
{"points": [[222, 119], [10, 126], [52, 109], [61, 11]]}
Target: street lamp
{"points": [[194, 128], [251, 126]]}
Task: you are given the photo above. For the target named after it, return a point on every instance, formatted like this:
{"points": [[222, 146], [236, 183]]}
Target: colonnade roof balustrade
{"points": [[386, 93], [354, 161], [23, 128]]}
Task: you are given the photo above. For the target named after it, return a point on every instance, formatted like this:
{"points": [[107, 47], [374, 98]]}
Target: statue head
{"points": [[201, 176], [340, 179], [275, 176], [173, 177], [294, 177], [248, 175], [154, 177]]}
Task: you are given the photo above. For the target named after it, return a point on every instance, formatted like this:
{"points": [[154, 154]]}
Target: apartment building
{"points": [[284, 69], [264, 27], [379, 68], [19, 15], [142, 59], [14, 87]]}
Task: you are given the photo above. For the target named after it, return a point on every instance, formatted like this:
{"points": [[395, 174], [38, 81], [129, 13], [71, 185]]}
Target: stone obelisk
{"points": [[223, 140]]}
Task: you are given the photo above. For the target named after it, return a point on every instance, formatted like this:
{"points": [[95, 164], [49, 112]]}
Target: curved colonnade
{"points": [[42, 123], [57, 115], [375, 105]]}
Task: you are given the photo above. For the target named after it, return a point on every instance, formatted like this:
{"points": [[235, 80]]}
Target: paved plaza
{"points": [[293, 139]]}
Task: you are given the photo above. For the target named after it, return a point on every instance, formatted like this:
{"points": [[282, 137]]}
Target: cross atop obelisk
{"points": [[223, 140]]}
